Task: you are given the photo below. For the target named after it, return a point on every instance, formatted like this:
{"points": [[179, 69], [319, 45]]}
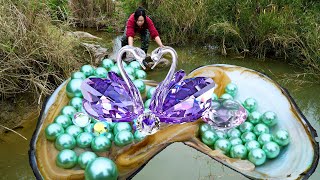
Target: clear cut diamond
{"points": [[148, 123]]}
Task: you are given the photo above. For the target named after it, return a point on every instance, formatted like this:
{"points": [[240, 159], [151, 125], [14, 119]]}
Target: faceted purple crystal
{"points": [[187, 100], [109, 100]]}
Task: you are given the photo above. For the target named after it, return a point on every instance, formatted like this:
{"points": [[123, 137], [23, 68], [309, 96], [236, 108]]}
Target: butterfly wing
{"points": [[111, 99]]}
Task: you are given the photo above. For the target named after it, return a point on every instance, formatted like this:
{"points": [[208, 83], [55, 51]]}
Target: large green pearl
{"points": [[150, 92], [68, 111], [121, 126], [131, 77], [221, 135], [138, 135], [123, 138], [111, 125], [226, 96], [147, 103], [231, 89], [250, 104], [214, 97], [100, 144], [252, 145], [140, 85], [271, 149], [115, 69], [74, 130], [107, 63], [141, 74], [246, 127], [85, 158], [101, 72], [124, 64], [248, 136], [84, 139], [78, 75], [74, 88], [204, 127], [101, 169], [76, 102], [264, 138], [238, 151], [135, 65], [66, 159], [53, 130], [110, 136], [87, 70], [222, 145], [65, 141], [63, 121], [269, 118], [281, 137], [129, 70], [235, 141], [209, 137], [260, 129], [257, 156], [89, 128], [234, 133], [254, 117]]}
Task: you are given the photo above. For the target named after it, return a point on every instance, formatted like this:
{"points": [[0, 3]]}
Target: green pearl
{"points": [[101, 169], [53, 131], [111, 125], [204, 127], [271, 149], [74, 130], [101, 72], [124, 64], [221, 135], [131, 77], [231, 89], [239, 151], [110, 136], [76, 102], [269, 118], [100, 144], [140, 85], [107, 63], [209, 137], [257, 156], [68, 111], [246, 127], [252, 145], [250, 104], [264, 138], [222, 145], [147, 103], [115, 69], [121, 126], [65, 141], [139, 136], [89, 128], [66, 159], [123, 138], [235, 141], [226, 96], [214, 97], [141, 74], [150, 92], [135, 65], [87, 70], [74, 88], [129, 70], [233, 133], [248, 136], [78, 75], [254, 117], [260, 129], [85, 158], [281, 137], [63, 121], [84, 139]]}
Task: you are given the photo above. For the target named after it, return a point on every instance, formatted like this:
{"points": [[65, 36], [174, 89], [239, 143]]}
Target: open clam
{"points": [[297, 160]]}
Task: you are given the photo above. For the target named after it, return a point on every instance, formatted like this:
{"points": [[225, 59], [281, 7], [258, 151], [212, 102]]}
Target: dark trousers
{"points": [[145, 36]]}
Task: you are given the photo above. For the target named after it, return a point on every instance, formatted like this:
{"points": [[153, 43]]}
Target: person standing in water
{"points": [[138, 22]]}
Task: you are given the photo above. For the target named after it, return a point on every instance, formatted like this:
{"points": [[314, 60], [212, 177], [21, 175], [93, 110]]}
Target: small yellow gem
{"points": [[99, 127]]}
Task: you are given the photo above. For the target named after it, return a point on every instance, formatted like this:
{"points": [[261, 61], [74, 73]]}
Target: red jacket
{"points": [[132, 27]]}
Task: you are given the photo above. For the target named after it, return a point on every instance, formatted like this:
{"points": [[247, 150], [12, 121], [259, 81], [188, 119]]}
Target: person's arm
{"points": [[158, 41], [153, 32], [130, 41], [130, 30]]}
